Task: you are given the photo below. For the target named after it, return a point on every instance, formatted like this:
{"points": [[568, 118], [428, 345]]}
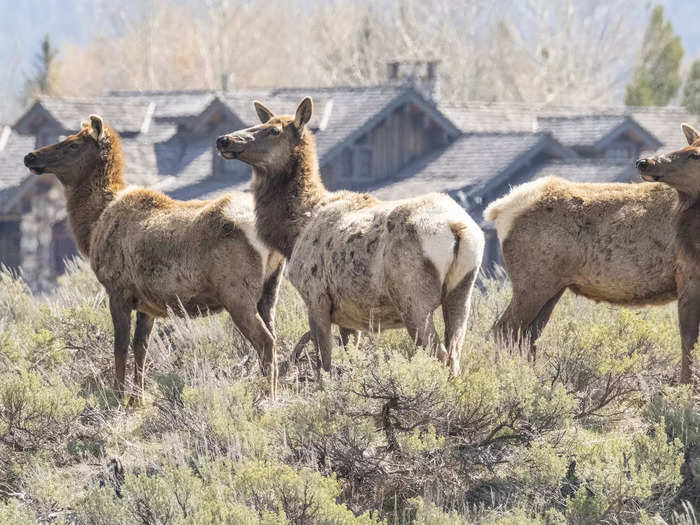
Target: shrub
{"points": [[395, 428], [15, 513], [588, 432], [300, 496], [625, 475], [36, 413]]}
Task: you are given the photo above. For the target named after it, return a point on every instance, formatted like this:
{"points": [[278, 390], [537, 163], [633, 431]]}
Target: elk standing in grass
{"points": [[358, 262], [152, 253], [681, 171], [626, 244]]}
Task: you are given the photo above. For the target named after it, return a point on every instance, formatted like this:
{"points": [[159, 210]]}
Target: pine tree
{"points": [[657, 77], [691, 93], [40, 81]]}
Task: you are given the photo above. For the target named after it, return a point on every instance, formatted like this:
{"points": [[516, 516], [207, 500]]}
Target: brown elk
{"points": [[358, 262], [626, 244], [154, 254], [681, 171]]}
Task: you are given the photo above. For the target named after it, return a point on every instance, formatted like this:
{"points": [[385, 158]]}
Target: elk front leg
{"points": [[689, 321], [144, 325], [121, 320]]}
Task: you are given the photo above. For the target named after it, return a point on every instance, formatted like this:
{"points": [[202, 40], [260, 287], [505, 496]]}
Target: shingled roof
{"points": [[581, 130], [470, 163], [491, 117], [661, 122], [588, 170], [168, 104], [126, 116], [140, 164], [13, 148]]}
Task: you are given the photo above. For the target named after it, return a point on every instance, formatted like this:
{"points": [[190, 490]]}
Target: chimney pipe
{"points": [[421, 74]]}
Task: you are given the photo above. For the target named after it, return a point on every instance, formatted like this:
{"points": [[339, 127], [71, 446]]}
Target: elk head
{"points": [[268, 146], [74, 156], [679, 169]]}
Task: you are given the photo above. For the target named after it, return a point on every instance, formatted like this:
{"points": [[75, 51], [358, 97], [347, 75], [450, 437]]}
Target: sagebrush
{"points": [[594, 431]]}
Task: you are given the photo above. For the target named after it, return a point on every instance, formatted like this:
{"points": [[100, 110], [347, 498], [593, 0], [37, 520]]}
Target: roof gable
{"points": [[361, 118], [35, 118], [126, 116], [596, 132], [215, 114]]}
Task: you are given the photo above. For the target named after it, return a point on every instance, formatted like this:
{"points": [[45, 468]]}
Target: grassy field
{"points": [[595, 431]]}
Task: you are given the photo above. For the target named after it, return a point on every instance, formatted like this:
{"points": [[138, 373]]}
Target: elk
{"points": [[154, 254], [681, 171], [625, 244], [358, 262]]}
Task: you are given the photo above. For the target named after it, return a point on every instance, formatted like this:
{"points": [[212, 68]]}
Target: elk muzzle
{"points": [[31, 161], [648, 169], [231, 145]]}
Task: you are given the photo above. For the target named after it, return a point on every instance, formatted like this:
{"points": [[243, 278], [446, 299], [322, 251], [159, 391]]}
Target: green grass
{"points": [[595, 431]]}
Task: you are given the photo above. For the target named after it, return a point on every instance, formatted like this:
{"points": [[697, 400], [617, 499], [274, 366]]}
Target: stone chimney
{"points": [[420, 74]]}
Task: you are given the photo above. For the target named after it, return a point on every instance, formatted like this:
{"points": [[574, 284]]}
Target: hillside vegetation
{"points": [[593, 432]]}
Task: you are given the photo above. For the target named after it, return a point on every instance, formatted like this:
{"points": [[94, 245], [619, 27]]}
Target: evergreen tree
{"points": [[691, 93], [39, 83], [657, 77]]}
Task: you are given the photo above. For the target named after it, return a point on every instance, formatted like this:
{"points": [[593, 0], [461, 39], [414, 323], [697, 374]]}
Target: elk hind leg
{"points": [[455, 311], [526, 315]]}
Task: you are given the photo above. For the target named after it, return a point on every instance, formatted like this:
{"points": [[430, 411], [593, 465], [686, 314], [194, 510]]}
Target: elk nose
{"points": [[642, 164], [223, 142], [29, 158]]}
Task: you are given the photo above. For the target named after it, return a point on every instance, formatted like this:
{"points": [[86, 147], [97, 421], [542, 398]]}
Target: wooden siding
{"points": [[404, 135]]}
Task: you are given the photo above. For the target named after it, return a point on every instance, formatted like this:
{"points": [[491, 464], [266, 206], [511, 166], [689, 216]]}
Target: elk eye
{"points": [[73, 146], [275, 131]]}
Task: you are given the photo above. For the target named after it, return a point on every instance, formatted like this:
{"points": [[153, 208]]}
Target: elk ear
{"points": [[690, 133], [303, 114], [95, 127], [264, 114]]}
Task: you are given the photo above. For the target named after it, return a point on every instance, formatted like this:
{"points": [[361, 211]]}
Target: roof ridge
{"points": [[590, 161], [541, 106], [386, 87], [157, 92], [99, 99], [503, 133], [583, 116]]}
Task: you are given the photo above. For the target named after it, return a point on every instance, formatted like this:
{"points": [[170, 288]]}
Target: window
{"points": [[362, 162]]}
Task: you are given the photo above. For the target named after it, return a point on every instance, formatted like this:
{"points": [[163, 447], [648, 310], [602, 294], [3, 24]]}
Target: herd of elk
{"points": [[365, 264]]}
